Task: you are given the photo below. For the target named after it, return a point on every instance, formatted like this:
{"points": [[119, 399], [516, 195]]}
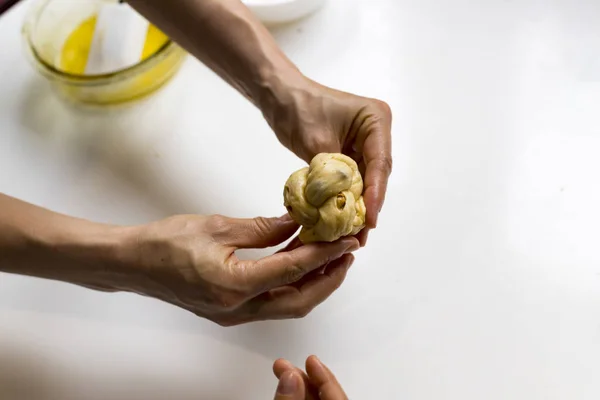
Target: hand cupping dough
{"points": [[326, 198]]}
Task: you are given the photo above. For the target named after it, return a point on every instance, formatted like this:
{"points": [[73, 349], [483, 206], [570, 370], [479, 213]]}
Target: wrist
{"points": [[276, 83], [281, 93]]}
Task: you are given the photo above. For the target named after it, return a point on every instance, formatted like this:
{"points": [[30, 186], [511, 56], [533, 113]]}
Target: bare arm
{"points": [[226, 36], [37, 242]]}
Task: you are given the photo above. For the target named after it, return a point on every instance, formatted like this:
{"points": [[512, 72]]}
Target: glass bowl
{"points": [[275, 12], [50, 23]]}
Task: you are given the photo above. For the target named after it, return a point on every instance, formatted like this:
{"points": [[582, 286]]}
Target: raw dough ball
{"points": [[326, 198]]}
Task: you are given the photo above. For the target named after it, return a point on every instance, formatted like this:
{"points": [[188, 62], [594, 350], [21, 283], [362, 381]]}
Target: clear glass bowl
{"points": [[48, 25]]}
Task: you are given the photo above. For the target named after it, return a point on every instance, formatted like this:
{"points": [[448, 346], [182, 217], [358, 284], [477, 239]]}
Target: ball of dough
{"points": [[326, 198]]}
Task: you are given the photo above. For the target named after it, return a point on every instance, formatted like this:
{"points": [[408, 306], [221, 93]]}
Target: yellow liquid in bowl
{"points": [[76, 49], [74, 54]]}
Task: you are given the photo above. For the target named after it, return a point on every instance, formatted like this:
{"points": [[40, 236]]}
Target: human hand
{"points": [[317, 383], [310, 118], [190, 261]]}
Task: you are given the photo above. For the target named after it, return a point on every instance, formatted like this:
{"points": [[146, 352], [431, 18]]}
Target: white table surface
{"points": [[482, 282]]}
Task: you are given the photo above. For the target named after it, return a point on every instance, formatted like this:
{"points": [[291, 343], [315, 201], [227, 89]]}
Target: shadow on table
{"points": [[113, 139], [29, 376], [25, 377]]}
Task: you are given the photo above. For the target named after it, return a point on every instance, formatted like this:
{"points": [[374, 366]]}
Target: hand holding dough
{"points": [[326, 198]]}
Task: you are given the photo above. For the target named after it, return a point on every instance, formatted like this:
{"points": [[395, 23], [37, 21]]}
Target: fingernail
{"points": [[288, 384]]}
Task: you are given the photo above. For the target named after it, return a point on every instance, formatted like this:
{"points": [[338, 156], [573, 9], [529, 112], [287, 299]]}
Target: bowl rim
{"points": [[28, 29]]}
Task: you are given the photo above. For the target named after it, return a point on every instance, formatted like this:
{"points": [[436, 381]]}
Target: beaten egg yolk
{"points": [[75, 52]]}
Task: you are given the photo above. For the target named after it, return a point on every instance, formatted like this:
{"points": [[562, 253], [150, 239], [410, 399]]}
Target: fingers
{"points": [[323, 380], [290, 387], [319, 382], [284, 268], [259, 232], [376, 180], [376, 140], [292, 302], [281, 366]]}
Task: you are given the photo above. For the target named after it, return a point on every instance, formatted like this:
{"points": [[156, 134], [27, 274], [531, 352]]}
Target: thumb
{"points": [[260, 232], [291, 387]]}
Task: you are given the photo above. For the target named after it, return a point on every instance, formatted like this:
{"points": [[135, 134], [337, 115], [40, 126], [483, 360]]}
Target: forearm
{"points": [[225, 36], [37, 242]]}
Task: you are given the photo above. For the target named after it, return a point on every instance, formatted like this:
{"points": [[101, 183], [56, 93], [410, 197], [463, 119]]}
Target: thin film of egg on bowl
{"points": [[59, 39]]}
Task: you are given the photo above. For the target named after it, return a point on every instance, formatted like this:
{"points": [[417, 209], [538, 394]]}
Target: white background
{"points": [[482, 282]]}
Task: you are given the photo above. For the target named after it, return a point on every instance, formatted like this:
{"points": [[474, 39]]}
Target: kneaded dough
{"points": [[326, 198]]}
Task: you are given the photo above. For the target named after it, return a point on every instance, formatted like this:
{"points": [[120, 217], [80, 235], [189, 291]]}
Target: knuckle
{"points": [[388, 164], [384, 108], [384, 164], [261, 226], [217, 223]]}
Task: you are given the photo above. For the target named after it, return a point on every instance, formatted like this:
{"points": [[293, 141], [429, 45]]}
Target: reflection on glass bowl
{"points": [[57, 36]]}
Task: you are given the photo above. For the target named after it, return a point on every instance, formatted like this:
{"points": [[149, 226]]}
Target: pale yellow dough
{"points": [[326, 198]]}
